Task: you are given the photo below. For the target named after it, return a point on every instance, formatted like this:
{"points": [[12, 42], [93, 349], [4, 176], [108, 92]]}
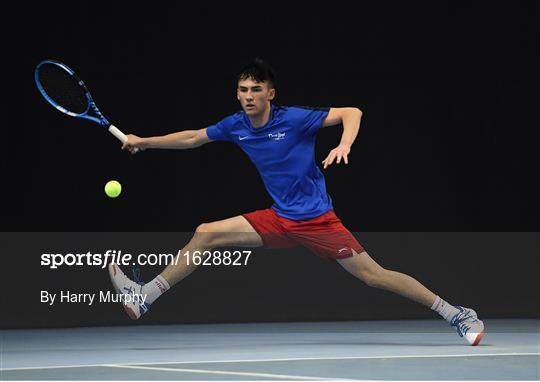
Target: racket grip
{"points": [[118, 134]]}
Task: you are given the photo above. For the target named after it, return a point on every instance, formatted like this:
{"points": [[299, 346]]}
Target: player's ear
{"points": [[271, 94]]}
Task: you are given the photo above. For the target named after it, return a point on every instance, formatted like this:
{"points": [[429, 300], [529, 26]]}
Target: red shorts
{"points": [[325, 235]]}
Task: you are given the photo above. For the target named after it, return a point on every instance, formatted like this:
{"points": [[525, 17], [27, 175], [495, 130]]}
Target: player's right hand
{"points": [[134, 144]]}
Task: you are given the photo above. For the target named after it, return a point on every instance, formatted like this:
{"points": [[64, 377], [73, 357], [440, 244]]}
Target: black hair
{"points": [[259, 71]]}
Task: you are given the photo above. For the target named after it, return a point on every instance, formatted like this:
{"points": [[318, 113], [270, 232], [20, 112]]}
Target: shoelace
{"points": [[459, 323], [137, 276]]}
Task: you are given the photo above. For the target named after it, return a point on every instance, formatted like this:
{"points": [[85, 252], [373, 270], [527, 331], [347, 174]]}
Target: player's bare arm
{"points": [[350, 118], [187, 139]]}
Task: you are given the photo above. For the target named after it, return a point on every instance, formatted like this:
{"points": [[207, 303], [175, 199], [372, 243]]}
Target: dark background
{"points": [[448, 143]]}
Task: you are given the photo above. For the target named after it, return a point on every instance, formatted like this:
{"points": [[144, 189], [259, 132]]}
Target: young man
{"points": [[280, 142]]}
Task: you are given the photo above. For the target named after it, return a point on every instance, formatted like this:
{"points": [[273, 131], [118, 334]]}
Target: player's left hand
{"points": [[337, 154]]}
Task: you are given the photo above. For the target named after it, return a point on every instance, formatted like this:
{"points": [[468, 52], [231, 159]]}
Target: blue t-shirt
{"points": [[283, 150]]}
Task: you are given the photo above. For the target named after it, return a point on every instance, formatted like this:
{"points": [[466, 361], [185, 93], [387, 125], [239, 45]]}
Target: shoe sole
{"points": [[131, 313], [478, 338]]}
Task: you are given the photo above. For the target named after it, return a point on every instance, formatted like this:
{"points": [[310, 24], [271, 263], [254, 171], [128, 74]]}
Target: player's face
{"points": [[254, 96]]}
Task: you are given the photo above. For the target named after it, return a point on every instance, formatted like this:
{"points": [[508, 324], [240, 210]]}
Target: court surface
{"points": [[373, 350]]}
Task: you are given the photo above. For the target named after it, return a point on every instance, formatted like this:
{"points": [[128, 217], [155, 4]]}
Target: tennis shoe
{"points": [[468, 325], [130, 292]]}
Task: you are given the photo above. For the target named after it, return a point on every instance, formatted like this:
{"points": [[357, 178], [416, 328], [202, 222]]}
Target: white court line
{"points": [[223, 372], [277, 360]]}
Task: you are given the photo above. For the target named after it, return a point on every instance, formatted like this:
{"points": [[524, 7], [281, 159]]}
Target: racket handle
{"points": [[118, 134]]}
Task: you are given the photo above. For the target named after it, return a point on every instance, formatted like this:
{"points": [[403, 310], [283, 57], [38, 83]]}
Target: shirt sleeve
{"points": [[311, 118], [221, 131]]}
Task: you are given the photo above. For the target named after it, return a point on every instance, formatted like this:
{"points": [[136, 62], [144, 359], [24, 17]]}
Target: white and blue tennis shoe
{"points": [[130, 292], [468, 325]]}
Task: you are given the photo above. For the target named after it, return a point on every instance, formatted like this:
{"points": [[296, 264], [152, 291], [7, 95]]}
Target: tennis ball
{"points": [[113, 188]]}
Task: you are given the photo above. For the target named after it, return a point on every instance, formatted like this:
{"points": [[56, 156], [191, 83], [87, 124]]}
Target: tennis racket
{"points": [[63, 89]]}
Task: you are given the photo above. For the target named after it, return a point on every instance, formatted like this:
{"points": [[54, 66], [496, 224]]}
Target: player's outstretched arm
{"points": [[350, 118], [187, 139]]}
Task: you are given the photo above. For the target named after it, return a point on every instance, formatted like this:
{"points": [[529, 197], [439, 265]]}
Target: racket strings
{"points": [[63, 88]]}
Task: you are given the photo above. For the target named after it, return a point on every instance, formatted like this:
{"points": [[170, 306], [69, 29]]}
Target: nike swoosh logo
{"points": [[241, 138]]}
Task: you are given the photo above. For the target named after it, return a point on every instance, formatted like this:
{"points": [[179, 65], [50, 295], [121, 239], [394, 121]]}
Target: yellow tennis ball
{"points": [[113, 188]]}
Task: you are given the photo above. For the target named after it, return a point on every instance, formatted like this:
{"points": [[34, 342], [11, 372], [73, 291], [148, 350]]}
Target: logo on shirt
{"points": [[276, 137], [242, 138]]}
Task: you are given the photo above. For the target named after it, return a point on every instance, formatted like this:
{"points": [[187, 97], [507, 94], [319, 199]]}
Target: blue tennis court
{"points": [[373, 350]]}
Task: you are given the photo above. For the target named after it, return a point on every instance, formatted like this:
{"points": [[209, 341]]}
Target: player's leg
{"points": [[362, 266], [235, 231]]}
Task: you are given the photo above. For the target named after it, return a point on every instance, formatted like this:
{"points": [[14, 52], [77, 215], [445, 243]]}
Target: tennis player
{"points": [[280, 141]]}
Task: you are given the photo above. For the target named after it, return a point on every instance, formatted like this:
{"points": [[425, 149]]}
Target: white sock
{"points": [[155, 288], [446, 310]]}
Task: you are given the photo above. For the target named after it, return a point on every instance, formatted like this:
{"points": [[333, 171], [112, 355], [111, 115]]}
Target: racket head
{"points": [[65, 91]]}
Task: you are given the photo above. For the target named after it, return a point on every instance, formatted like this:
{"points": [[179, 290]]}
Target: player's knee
{"points": [[205, 233], [374, 279], [203, 228]]}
